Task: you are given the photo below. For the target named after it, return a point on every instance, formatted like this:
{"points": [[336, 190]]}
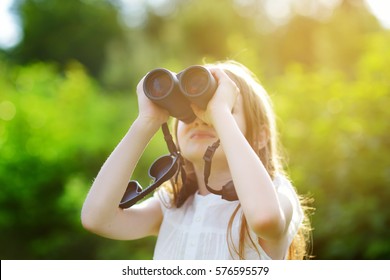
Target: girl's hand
{"points": [[147, 109], [224, 97]]}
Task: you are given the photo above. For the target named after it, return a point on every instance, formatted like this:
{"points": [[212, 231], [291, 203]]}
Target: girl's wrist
{"points": [[220, 115], [147, 123]]}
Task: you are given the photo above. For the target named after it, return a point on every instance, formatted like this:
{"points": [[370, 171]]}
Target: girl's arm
{"points": [[257, 194], [100, 213], [268, 214]]}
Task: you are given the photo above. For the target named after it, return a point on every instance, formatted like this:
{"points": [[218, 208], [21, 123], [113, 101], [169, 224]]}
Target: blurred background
{"points": [[68, 72]]}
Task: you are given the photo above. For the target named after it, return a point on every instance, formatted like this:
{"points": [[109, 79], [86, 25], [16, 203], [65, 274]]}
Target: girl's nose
{"points": [[199, 122]]}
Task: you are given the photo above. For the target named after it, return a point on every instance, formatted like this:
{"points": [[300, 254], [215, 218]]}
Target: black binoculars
{"points": [[175, 92]]}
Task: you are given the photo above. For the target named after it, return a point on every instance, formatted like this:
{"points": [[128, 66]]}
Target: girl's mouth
{"points": [[202, 135]]}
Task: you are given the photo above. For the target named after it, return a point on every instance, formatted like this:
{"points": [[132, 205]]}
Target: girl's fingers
{"points": [[200, 114], [227, 90]]}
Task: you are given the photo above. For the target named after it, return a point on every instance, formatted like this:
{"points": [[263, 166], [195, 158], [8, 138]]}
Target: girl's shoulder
{"points": [[165, 197]]}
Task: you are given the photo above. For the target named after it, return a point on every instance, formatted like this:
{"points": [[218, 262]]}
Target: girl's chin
{"points": [[196, 152]]}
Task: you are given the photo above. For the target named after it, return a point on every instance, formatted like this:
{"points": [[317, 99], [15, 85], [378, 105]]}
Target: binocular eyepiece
{"points": [[175, 92]]}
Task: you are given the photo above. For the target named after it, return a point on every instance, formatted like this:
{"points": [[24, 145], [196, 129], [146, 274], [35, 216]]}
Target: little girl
{"points": [[266, 221]]}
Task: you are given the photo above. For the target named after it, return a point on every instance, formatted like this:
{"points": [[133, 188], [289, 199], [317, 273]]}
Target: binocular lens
{"points": [[159, 85], [195, 84], [175, 92]]}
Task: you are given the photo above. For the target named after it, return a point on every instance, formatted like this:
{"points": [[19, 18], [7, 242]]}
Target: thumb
{"points": [[200, 113]]}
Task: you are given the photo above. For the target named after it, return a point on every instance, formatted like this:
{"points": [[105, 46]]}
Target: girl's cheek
{"points": [[180, 131]]}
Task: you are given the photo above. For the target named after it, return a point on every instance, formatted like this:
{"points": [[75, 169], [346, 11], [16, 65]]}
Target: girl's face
{"points": [[195, 137]]}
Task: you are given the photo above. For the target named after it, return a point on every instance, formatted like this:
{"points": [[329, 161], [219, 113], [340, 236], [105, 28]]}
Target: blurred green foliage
{"points": [[328, 78], [58, 31], [55, 131], [335, 130]]}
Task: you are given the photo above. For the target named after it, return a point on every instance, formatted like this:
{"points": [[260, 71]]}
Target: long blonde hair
{"points": [[260, 121]]}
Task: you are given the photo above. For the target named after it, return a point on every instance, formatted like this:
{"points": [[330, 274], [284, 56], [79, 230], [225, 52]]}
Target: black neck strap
{"points": [[168, 139], [228, 191], [173, 151], [208, 156]]}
